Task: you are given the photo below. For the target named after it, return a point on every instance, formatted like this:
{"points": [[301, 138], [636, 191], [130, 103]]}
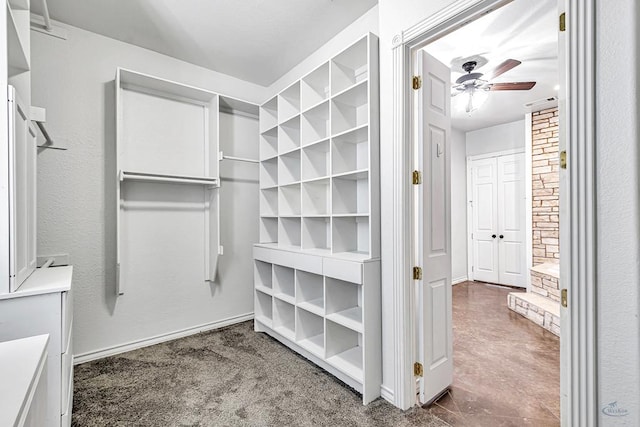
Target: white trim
{"points": [[468, 196], [496, 154], [459, 280], [387, 394], [579, 380], [134, 345], [528, 191]]}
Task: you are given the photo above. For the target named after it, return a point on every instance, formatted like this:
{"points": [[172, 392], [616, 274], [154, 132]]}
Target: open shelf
{"points": [[263, 308], [18, 44], [289, 232], [350, 109], [350, 151], [284, 317], [314, 88], [310, 292], [289, 200], [344, 303], [350, 234], [289, 102], [351, 194], [315, 161], [344, 349], [269, 173], [284, 283], [269, 144], [289, 168], [350, 67], [269, 114], [314, 125], [269, 202], [268, 230], [310, 332], [289, 135], [316, 233], [263, 276], [315, 198]]}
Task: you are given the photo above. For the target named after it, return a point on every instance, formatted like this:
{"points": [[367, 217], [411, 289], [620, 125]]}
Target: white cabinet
{"points": [[43, 305], [317, 263]]}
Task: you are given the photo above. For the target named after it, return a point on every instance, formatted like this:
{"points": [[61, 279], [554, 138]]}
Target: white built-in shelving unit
{"points": [[317, 276]]}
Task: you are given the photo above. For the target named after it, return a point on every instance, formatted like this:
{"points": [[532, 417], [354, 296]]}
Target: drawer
{"points": [[304, 262], [67, 318], [66, 375], [348, 271]]}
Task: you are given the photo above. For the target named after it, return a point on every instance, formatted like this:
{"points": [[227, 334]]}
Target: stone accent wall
{"points": [[545, 318], [545, 186]]}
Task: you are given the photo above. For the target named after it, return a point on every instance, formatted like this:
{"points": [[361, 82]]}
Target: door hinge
{"points": [[417, 82], [417, 273], [417, 369], [563, 159], [563, 22], [417, 177], [563, 298]]}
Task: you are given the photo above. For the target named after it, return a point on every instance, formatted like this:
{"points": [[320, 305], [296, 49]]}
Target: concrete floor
{"points": [[506, 374], [506, 368]]}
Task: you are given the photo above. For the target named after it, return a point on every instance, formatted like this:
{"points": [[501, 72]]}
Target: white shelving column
{"points": [[317, 267]]}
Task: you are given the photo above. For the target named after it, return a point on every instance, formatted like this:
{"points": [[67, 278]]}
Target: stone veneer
{"points": [[538, 309], [545, 186], [544, 281]]}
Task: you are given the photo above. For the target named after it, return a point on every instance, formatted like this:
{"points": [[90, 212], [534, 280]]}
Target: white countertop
{"points": [[44, 281], [21, 363]]}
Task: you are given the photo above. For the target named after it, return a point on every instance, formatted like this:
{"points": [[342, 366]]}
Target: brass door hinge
{"points": [[563, 159], [563, 298], [417, 82], [417, 273], [563, 22], [417, 369], [417, 177]]}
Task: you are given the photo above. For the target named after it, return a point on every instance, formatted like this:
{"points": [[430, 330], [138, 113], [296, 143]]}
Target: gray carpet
{"points": [[228, 377]]}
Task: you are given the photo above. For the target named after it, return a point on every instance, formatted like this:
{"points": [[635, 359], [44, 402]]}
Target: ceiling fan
{"points": [[476, 85]]}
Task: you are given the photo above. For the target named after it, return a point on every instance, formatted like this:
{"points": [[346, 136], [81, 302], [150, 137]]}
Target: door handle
{"points": [[502, 236], [493, 235]]}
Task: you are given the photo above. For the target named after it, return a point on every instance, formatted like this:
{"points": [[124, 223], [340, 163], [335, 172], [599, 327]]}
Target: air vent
{"points": [[541, 104]]}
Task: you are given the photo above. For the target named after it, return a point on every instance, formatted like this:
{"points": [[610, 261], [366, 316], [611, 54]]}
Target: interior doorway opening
{"points": [[499, 201]]}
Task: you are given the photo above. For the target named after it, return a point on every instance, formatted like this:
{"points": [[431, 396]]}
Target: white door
{"points": [[512, 253], [484, 220], [433, 228], [498, 220]]}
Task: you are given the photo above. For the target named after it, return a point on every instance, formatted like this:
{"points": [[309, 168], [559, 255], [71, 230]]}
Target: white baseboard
{"points": [[387, 394], [459, 280], [134, 345]]}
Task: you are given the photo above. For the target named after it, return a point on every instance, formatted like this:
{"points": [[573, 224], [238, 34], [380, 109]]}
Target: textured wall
{"points": [[545, 186]]}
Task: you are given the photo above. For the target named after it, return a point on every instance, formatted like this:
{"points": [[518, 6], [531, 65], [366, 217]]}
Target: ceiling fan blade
{"points": [[503, 68], [513, 86]]}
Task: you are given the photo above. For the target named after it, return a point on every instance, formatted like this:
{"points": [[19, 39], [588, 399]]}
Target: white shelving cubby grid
{"points": [[320, 217]]}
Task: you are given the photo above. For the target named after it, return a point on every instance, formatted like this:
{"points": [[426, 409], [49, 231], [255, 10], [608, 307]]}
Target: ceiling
{"points": [[524, 30], [254, 40]]}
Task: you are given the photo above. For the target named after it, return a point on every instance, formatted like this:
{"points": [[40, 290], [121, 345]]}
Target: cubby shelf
{"points": [[319, 218]]}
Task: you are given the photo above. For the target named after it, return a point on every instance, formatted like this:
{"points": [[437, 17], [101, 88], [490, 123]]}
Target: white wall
{"points": [[508, 136], [618, 197], [458, 206], [73, 80]]}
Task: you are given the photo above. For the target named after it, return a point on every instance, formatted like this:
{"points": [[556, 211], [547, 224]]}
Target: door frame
{"points": [[578, 358], [469, 189]]}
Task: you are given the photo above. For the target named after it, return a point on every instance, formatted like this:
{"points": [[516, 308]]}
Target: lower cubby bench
{"points": [[326, 309]]}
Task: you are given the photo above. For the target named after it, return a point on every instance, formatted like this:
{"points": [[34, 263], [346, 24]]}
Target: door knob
{"points": [[493, 235], [502, 236]]}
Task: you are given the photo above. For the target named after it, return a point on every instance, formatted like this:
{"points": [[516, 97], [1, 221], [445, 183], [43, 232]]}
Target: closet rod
{"points": [[46, 17], [238, 159]]}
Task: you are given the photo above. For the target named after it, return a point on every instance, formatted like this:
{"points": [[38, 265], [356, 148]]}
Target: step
{"points": [[543, 311], [545, 280]]}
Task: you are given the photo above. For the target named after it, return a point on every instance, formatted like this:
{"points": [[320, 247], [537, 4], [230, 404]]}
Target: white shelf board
{"points": [[349, 362], [285, 297], [146, 83], [264, 320], [44, 281], [264, 289], [358, 174], [350, 318], [315, 306], [353, 129], [286, 332], [18, 58], [352, 87], [314, 345]]}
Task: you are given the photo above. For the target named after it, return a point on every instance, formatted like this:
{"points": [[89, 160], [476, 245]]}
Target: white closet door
{"points": [[485, 220], [511, 220]]}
